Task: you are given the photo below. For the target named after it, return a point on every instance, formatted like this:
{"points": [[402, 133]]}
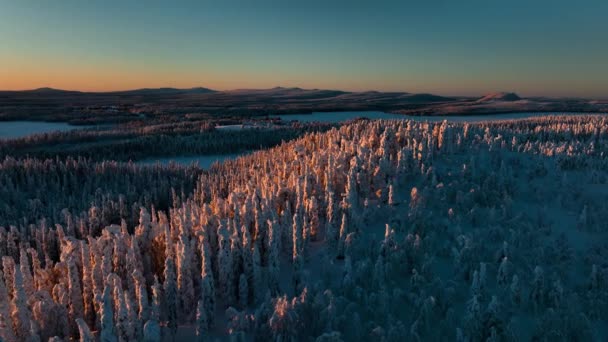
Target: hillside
{"points": [[172, 104], [500, 97]]}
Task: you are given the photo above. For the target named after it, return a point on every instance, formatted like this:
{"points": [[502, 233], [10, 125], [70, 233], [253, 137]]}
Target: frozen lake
{"points": [[202, 161], [344, 116], [18, 129]]}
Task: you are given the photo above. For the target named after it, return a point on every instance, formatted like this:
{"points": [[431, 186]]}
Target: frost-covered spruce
{"points": [[184, 279], [152, 332], [170, 295], [202, 323], [84, 332], [19, 309], [107, 317]]}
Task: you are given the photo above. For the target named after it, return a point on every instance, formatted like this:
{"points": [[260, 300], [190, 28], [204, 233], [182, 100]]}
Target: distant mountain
{"points": [[427, 98], [142, 91], [51, 91], [318, 94], [45, 90], [165, 91], [500, 96], [283, 90]]}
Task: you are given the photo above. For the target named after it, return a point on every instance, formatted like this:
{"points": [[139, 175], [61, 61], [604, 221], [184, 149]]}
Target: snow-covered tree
{"points": [[107, 317], [84, 332], [170, 295], [243, 291], [207, 281], [342, 237], [202, 323], [184, 278], [152, 332], [19, 309], [75, 292]]}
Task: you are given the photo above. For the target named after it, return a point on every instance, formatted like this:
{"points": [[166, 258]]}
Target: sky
{"points": [[447, 47]]}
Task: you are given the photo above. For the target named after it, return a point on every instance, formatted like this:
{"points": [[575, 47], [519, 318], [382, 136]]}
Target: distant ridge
{"points": [[52, 104], [427, 98], [500, 96], [51, 91], [142, 91], [161, 91]]}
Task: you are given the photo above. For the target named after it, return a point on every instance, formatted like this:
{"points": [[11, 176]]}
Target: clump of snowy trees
{"points": [[376, 230], [80, 193]]}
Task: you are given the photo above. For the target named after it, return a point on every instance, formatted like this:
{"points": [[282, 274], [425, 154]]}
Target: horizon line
{"points": [[294, 87]]}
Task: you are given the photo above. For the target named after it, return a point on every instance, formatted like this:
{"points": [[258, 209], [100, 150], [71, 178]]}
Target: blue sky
{"points": [[555, 48]]}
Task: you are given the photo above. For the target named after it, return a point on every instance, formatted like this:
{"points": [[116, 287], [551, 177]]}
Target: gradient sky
{"points": [[468, 47]]}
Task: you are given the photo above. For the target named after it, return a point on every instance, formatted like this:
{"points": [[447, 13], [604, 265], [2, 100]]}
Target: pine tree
{"points": [[258, 281], [133, 325], [142, 297], [184, 279], [9, 273], [391, 195], [556, 294], [352, 195], [341, 239], [537, 292], [297, 235], [123, 325], [247, 257], [224, 266], [152, 332], [515, 291], [107, 317], [236, 252], [503, 272], [287, 227], [87, 285], [24, 265], [332, 232], [379, 272], [6, 327], [20, 312], [314, 222], [202, 323], [243, 291], [297, 275], [207, 281], [170, 291], [283, 320], [84, 332], [75, 292], [473, 319], [273, 256]]}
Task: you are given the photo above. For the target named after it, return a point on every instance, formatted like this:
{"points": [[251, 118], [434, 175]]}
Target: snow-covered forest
{"points": [[372, 231], [133, 142]]}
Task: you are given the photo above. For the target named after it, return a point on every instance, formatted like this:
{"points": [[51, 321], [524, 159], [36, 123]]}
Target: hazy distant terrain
{"points": [[175, 104]]}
